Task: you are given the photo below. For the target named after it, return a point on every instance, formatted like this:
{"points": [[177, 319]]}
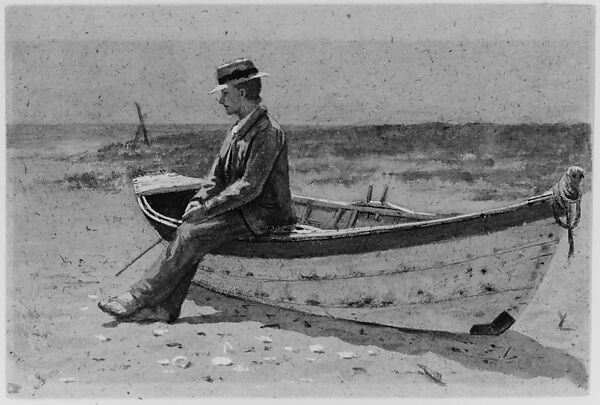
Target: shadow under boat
{"points": [[510, 353]]}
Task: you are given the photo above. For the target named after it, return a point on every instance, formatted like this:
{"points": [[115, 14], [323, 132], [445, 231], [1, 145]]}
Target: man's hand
{"points": [[194, 212]]}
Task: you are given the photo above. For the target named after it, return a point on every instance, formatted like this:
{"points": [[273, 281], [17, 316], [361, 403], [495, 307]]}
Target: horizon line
{"points": [[221, 124]]}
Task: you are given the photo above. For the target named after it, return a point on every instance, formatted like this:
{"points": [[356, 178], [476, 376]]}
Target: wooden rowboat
{"points": [[376, 262]]}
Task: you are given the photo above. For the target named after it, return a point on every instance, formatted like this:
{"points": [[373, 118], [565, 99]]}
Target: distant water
{"points": [[310, 82]]}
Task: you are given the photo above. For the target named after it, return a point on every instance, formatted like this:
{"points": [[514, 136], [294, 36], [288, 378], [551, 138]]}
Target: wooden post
{"points": [[141, 127], [369, 193], [384, 194]]}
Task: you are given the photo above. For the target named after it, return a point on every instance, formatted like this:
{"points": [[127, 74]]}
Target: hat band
{"points": [[238, 74]]}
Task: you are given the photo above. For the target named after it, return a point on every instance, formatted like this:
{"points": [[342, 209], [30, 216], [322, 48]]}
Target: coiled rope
{"points": [[566, 194]]}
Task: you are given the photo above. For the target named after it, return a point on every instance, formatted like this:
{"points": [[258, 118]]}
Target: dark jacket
{"points": [[251, 173]]}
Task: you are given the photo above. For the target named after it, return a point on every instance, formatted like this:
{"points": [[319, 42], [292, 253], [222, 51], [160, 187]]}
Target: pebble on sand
{"points": [[372, 352], [264, 339], [163, 362], [316, 348], [222, 361], [346, 355], [93, 296], [159, 332], [13, 388], [434, 375], [181, 361], [102, 338], [67, 379], [84, 308]]}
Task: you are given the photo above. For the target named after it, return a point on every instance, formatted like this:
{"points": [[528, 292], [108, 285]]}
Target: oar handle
{"points": [[138, 257]]}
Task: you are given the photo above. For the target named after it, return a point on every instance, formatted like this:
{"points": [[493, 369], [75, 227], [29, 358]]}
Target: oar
{"points": [[138, 257]]}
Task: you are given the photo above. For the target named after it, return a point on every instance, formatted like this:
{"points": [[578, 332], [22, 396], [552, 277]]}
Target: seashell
{"points": [[222, 361], [181, 361], [317, 349], [159, 332], [346, 355]]}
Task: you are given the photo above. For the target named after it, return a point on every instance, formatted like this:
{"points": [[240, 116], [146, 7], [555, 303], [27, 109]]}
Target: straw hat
{"points": [[234, 72]]}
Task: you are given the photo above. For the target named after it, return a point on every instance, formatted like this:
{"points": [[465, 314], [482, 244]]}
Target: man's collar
{"points": [[248, 121], [238, 125]]}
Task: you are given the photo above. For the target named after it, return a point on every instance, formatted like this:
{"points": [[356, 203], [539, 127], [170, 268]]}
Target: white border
{"points": [[594, 396]]}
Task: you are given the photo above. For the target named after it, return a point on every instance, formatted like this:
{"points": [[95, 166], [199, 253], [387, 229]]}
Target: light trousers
{"points": [[167, 281]]}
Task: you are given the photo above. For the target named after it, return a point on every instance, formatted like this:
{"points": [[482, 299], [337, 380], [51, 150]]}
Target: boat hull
{"points": [[377, 262], [447, 285]]}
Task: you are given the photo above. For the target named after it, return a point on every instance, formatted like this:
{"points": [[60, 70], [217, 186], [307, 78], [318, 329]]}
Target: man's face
{"points": [[231, 99]]}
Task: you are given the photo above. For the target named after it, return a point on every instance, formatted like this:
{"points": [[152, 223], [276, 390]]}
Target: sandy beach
{"points": [[68, 236]]}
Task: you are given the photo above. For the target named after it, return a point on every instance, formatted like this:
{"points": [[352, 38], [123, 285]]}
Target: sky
{"points": [[329, 64], [302, 22]]}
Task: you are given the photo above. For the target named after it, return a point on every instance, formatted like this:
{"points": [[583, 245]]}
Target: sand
{"points": [[66, 244]]}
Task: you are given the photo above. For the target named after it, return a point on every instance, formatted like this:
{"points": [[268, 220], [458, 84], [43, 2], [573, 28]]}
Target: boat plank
{"points": [[332, 224], [306, 213], [352, 219], [512, 270], [458, 316], [165, 183], [437, 254]]}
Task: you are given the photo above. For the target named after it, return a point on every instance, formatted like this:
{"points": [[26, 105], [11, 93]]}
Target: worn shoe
{"points": [[123, 305], [155, 314]]}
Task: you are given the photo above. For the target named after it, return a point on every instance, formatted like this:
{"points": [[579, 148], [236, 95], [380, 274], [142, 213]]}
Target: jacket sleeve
{"points": [[212, 183], [264, 149]]}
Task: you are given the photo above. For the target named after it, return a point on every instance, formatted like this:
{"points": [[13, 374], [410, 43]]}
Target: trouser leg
{"points": [[174, 301], [177, 264]]}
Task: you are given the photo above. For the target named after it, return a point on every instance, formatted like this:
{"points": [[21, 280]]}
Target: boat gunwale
{"points": [[326, 234]]}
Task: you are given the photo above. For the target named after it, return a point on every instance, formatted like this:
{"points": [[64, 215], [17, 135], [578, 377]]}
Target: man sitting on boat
{"points": [[247, 193]]}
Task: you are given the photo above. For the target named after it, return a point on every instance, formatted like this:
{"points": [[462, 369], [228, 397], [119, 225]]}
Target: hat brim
{"points": [[234, 82]]}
